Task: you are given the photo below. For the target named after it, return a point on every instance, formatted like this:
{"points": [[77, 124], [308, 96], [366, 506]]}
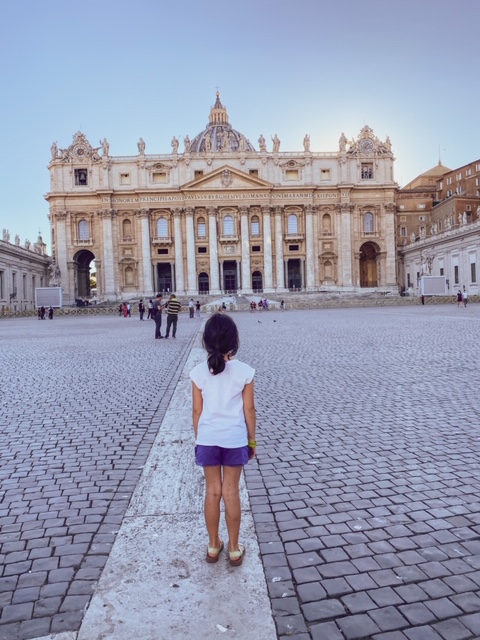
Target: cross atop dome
{"points": [[218, 113]]}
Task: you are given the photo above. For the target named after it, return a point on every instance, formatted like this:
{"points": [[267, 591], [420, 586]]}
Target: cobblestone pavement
{"points": [[81, 401], [365, 493]]}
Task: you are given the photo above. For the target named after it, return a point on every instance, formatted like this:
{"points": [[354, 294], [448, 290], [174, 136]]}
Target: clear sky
{"points": [[121, 69]]}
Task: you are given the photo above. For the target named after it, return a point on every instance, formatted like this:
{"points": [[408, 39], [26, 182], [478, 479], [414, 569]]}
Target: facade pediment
{"points": [[226, 178]]}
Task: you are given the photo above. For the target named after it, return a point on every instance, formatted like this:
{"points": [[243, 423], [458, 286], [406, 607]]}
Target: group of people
{"points": [[462, 298], [172, 309], [194, 308], [125, 309], [42, 312], [261, 305]]}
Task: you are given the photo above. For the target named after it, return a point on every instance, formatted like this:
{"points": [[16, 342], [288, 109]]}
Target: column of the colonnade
{"points": [[107, 216], [59, 220], [280, 273], [191, 259], [345, 246], [245, 240], [267, 250], [146, 250], [213, 248], [309, 238], [390, 258], [178, 248]]}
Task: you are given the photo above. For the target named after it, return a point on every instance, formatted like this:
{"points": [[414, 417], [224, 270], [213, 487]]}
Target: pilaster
{"points": [[192, 288], [144, 215], [178, 248], [213, 248], [280, 270], [246, 276], [267, 250]]}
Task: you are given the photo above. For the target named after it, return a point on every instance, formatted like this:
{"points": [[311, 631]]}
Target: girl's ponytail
{"points": [[216, 362], [220, 339]]}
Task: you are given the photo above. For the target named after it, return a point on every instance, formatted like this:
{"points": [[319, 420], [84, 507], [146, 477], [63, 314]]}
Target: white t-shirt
{"points": [[222, 422]]}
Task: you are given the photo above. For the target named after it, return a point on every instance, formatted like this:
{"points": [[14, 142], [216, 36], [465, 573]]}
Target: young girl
{"points": [[224, 424]]}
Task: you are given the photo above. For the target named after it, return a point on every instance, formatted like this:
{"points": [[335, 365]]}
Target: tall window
{"points": [[255, 226], [83, 230], [24, 283], [162, 228], [473, 272], [201, 228], [228, 229], [2, 285], [81, 177], [367, 171], [326, 223], [127, 228], [368, 222], [292, 223], [129, 279]]}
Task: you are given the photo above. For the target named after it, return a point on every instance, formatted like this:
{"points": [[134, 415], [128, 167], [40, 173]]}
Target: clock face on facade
{"points": [[80, 151], [366, 145]]}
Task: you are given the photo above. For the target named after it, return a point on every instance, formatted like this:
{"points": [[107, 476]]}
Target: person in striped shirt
{"points": [[173, 309]]}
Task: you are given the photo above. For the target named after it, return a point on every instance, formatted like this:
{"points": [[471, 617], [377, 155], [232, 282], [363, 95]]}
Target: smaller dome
{"points": [[219, 134]]}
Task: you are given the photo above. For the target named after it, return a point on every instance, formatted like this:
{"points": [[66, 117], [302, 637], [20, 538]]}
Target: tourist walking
{"points": [[224, 425], [465, 297], [197, 308], [459, 299], [141, 309], [150, 307], [50, 312], [157, 309], [129, 310], [191, 307], [173, 309]]}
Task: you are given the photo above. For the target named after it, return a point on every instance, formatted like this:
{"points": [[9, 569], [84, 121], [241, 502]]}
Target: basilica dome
{"points": [[219, 134]]}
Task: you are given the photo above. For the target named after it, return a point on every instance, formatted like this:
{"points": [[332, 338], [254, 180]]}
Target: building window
{"points": [[2, 285], [253, 172], [409, 282], [124, 178], [324, 174], [127, 229], [255, 226], [33, 286], [83, 230], [473, 273], [198, 174], [291, 174], [367, 171], [326, 224], [81, 177], [24, 285], [228, 229], [449, 180], [292, 223], [162, 252], [293, 247], [368, 222], [455, 274], [162, 228], [403, 232], [442, 271], [256, 247], [14, 285], [202, 249], [159, 177], [201, 228]]}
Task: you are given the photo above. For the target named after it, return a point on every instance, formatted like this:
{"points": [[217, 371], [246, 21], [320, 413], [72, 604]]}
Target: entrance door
{"points": [[164, 277], [82, 262], [257, 282], [294, 274], [230, 276], [368, 266], [203, 284]]}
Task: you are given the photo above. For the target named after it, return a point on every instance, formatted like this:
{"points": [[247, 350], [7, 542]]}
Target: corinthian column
{"points": [[108, 254], [213, 247], [191, 261], [390, 274], [267, 250], [61, 258], [279, 250], [345, 245], [146, 252], [246, 276], [178, 247], [310, 262]]}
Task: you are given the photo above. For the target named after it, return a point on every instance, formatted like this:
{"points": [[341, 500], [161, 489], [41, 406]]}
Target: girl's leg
{"points": [[231, 499], [213, 495]]}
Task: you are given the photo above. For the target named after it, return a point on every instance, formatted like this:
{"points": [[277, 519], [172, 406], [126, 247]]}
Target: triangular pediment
{"points": [[226, 178]]}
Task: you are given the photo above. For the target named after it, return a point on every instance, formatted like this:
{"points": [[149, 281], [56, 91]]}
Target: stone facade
{"points": [[22, 270], [438, 225], [220, 215]]}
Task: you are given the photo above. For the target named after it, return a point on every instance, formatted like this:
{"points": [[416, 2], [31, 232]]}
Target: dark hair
{"points": [[219, 338]]}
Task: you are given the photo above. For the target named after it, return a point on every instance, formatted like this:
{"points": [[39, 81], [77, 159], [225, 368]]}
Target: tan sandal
{"points": [[213, 553], [236, 557]]}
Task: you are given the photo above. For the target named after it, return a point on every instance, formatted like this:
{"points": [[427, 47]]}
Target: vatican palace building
{"points": [[221, 214]]}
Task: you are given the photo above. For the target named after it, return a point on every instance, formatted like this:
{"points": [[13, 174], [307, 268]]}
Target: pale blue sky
{"points": [[122, 69]]}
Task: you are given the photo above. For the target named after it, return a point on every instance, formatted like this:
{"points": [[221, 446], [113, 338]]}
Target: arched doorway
{"points": [[257, 282], [82, 261], [203, 283], [368, 265]]}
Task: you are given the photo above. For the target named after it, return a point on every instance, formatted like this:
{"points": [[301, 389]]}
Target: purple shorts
{"points": [[206, 456]]}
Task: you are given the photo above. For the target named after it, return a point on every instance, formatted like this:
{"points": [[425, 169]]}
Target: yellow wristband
{"points": [[252, 443]]}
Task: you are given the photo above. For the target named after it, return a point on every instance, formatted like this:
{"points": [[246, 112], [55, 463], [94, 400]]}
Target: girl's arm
{"points": [[197, 407], [249, 411]]}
